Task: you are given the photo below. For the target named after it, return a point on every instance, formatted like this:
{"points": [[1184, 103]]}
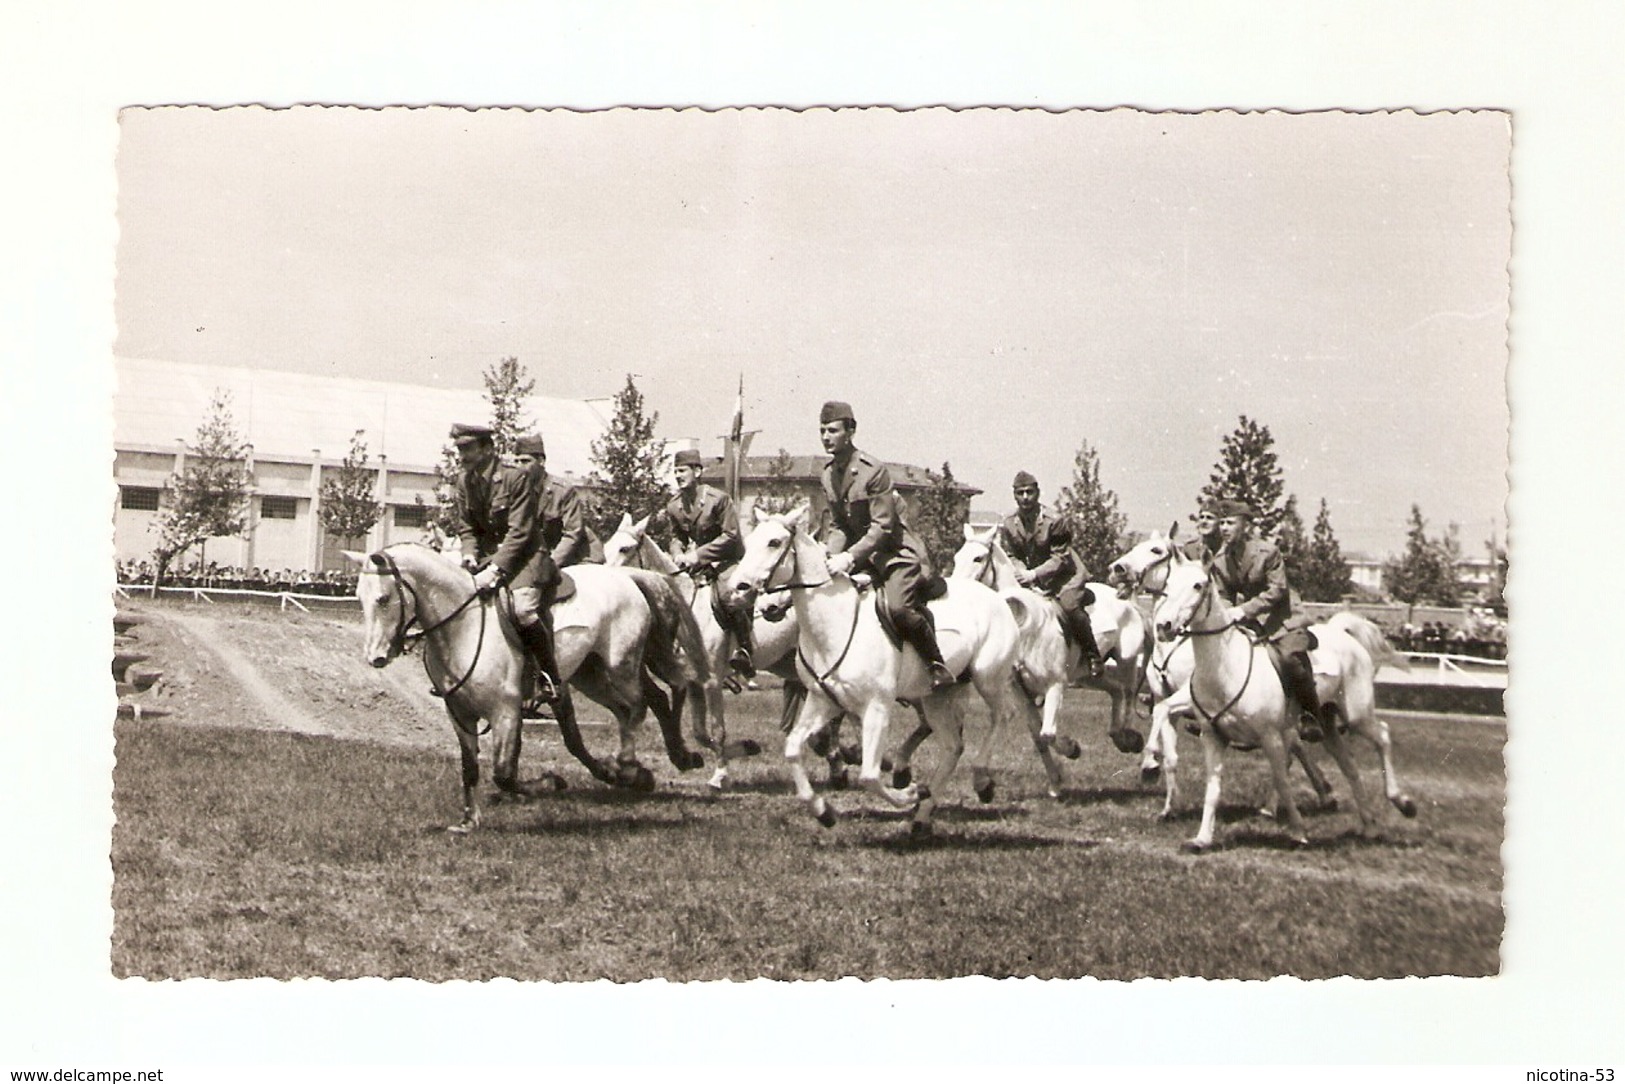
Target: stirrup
{"points": [[1309, 728], [940, 675], [741, 663]]}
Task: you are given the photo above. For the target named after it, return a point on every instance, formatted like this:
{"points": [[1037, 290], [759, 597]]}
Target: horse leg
{"points": [[816, 713], [1035, 726], [1213, 756], [669, 715], [876, 716], [1119, 687], [902, 765], [1360, 710], [1275, 750], [1338, 746], [1049, 732], [1162, 755], [589, 678], [468, 743], [949, 725]]}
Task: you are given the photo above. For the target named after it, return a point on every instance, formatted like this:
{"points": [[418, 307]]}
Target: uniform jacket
{"points": [[1045, 549], [1255, 579], [498, 509], [563, 527], [1197, 549], [866, 516], [709, 526]]}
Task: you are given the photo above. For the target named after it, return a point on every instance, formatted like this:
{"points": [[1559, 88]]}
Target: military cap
{"points": [[1210, 506], [836, 411], [530, 444], [1024, 479], [687, 457], [1236, 508], [463, 433]]}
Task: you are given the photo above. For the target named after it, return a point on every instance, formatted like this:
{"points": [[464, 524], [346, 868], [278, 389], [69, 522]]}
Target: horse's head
{"points": [[1188, 600], [1145, 567], [386, 606], [975, 559], [625, 545], [778, 551]]}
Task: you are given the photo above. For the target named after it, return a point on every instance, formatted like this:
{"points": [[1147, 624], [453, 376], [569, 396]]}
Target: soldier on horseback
{"points": [[1252, 580], [705, 537], [503, 531], [866, 532], [1041, 547], [1207, 541]]}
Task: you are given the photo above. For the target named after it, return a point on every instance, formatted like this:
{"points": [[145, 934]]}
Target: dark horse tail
{"points": [[675, 653]]}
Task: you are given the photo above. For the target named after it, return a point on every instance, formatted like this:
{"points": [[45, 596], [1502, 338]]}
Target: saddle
{"points": [[935, 587], [567, 587]]}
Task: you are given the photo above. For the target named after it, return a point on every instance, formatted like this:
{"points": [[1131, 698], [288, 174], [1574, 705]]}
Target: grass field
{"points": [[242, 852]]}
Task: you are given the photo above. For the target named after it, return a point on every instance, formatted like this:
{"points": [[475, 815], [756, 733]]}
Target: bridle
{"points": [[409, 616], [801, 654], [1210, 597]]}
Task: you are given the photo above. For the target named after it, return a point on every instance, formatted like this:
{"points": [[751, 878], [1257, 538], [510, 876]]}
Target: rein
{"points": [[1208, 595], [398, 643], [801, 655]]}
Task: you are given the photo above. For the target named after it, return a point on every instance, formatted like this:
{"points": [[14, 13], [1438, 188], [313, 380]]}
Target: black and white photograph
{"points": [[773, 568], [1001, 513]]}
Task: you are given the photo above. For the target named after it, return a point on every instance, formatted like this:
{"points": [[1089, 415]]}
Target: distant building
{"points": [[299, 428], [761, 475]]}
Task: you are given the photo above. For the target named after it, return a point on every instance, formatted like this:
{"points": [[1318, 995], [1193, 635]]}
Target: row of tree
{"points": [[210, 497]]}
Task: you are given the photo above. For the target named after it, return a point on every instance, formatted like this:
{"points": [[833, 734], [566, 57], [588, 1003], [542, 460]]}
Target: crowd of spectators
{"points": [[1479, 639], [236, 578]]}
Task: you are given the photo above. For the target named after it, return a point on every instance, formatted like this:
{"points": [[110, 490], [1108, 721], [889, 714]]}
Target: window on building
{"points": [[139, 498], [279, 507], [412, 515]]}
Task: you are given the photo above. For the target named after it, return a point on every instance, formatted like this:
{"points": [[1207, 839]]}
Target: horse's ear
{"points": [[354, 557], [970, 533], [378, 561], [1173, 529], [797, 519], [626, 522], [641, 526]]}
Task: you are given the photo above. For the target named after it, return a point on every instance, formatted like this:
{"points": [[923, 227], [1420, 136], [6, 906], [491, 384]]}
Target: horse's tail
{"points": [[676, 649], [1365, 632]]}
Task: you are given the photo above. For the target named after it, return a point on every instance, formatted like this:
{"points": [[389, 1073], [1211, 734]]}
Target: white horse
{"points": [[1337, 640], [1237, 692], [607, 633], [849, 664], [1047, 661]]}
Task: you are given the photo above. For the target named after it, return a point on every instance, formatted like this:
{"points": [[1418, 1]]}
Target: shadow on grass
{"points": [[950, 842], [1106, 795]]}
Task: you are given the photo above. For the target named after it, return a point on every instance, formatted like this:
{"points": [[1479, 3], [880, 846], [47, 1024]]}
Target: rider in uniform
{"points": [[1252, 580], [502, 542], [705, 537], [866, 532], [1207, 541], [1041, 547]]}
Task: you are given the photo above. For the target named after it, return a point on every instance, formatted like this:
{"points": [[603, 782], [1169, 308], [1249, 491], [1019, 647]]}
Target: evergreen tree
{"points": [[1326, 576], [626, 464], [940, 519], [1247, 471], [209, 497], [507, 386], [1290, 540], [778, 494], [1091, 509], [348, 507], [1426, 571]]}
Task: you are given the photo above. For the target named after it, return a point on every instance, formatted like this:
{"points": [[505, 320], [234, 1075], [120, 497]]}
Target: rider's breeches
{"points": [[905, 584], [533, 613], [1073, 599], [736, 610], [1298, 675]]}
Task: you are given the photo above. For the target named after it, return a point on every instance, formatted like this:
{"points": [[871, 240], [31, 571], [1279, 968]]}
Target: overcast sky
{"points": [[988, 288]]}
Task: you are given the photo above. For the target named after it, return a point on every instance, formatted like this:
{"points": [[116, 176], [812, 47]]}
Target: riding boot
{"points": [[1298, 675], [1077, 623], [538, 639], [740, 619], [920, 629]]}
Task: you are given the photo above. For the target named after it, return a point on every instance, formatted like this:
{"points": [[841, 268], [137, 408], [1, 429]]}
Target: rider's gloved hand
{"points": [[487, 578], [470, 562], [1024, 577], [1235, 615], [841, 562]]}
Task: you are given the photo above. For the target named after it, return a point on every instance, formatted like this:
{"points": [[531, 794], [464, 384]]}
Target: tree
{"points": [[1495, 593], [1325, 576], [626, 464], [209, 497], [940, 519], [1426, 571], [1091, 509], [1291, 542], [1247, 471], [348, 508], [507, 386], [779, 494]]}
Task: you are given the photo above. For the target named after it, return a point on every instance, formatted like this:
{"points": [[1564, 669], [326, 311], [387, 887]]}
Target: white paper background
{"points": [[68, 67]]}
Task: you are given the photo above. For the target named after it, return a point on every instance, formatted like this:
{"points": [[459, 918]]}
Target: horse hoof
{"points": [[691, 761], [838, 780], [1192, 846], [920, 830], [984, 791], [1406, 806], [462, 829], [852, 754], [1328, 804], [885, 763], [1127, 740], [743, 748], [826, 817], [719, 780], [1150, 775], [1055, 793], [923, 794], [643, 779], [1300, 842], [901, 778], [1067, 747]]}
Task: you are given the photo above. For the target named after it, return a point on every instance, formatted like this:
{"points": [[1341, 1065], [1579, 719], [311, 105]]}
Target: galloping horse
{"points": [[1237, 692], [1338, 641], [849, 664], [607, 633], [1047, 661]]}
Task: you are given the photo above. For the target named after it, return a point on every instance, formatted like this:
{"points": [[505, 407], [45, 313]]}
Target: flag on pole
{"points": [[734, 455]]}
